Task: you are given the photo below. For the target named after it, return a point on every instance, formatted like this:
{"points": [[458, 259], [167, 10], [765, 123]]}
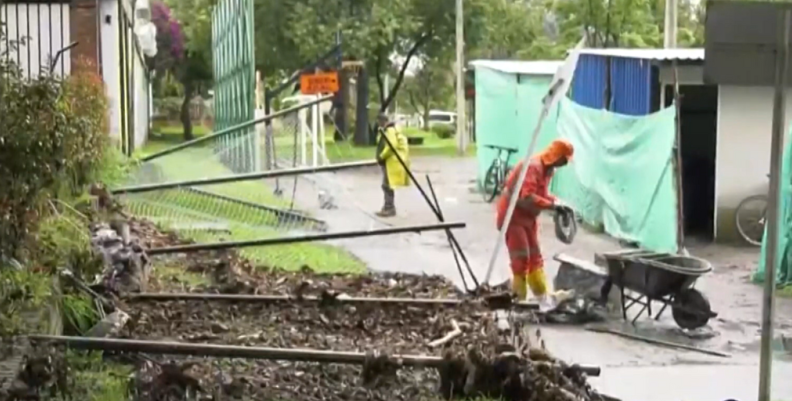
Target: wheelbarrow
{"points": [[659, 277]]}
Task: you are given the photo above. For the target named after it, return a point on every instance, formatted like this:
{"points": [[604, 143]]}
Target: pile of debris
{"points": [[468, 353]]}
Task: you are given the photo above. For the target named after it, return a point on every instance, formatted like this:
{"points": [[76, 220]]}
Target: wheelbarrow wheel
{"points": [[691, 309]]}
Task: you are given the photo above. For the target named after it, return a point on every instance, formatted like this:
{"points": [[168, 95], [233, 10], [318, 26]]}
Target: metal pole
{"points": [[448, 236], [772, 234], [235, 128], [670, 24], [460, 71], [264, 299], [242, 177], [432, 206], [235, 351], [677, 160], [304, 238], [228, 351]]}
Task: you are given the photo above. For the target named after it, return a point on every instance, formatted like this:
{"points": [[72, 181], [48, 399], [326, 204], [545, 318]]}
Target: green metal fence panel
{"points": [[235, 81]]}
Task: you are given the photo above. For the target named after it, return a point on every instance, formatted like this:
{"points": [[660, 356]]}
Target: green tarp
{"points": [[622, 175], [783, 268], [507, 110]]}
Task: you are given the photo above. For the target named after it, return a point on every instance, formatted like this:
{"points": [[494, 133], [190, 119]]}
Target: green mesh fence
{"points": [[265, 208], [233, 57]]}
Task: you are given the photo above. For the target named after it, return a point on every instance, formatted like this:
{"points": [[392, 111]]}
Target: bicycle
{"points": [[496, 173], [750, 218]]}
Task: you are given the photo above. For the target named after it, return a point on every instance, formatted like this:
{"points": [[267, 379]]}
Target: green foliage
{"points": [[443, 131], [21, 292], [194, 69], [114, 167], [290, 34], [62, 241], [168, 107], [52, 142], [79, 314], [93, 379], [431, 88]]}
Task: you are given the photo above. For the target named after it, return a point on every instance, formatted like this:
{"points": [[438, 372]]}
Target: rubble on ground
{"points": [[484, 360]]}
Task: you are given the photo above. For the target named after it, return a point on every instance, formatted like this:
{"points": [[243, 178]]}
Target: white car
{"points": [[437, 117]]}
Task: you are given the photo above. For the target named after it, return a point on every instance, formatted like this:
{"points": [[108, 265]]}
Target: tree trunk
{"points": [[341, 108], [185, 111], [427, 100], [361, 109]]}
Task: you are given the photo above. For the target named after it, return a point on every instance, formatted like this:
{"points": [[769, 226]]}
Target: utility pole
{"points": [[670, 26], [461, 121], [774, 213]]}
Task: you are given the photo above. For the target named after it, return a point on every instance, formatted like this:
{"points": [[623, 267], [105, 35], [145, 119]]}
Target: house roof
{"points": [[538, 67], [649, 54]]}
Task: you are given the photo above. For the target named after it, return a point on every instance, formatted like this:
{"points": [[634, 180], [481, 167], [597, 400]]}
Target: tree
{"points": [[432, 87], [194, 68], [170, 43], [371, 31]]}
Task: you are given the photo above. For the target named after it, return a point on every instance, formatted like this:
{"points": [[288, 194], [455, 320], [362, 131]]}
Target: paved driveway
{"points": [[633, 370]]}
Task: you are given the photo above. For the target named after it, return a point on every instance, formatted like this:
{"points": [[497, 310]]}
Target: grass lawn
{"points": [[183, 211], [168, 136], [432, 146]]}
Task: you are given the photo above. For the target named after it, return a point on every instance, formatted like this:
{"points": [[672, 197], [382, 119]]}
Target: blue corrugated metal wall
{"points": [[631, 83], [588, 88]]}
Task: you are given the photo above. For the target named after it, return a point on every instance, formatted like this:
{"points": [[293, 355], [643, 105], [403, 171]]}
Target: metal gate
{"points": [[235, 78], [33, 33]]}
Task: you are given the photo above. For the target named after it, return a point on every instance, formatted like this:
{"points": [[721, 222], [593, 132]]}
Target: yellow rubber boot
{"points": [[538, 282], [518, 286]]}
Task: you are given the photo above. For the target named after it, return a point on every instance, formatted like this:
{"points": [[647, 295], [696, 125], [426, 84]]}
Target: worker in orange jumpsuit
{"points": [[522, 234]]}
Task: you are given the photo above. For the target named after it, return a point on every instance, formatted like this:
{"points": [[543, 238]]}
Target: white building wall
{"points": [[745, 120], [141, 101], [108, 10], [686, 74], [40, 30]]}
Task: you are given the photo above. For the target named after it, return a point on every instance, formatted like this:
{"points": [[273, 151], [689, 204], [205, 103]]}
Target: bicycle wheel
{"points": [[491, 184], [749, 217]]}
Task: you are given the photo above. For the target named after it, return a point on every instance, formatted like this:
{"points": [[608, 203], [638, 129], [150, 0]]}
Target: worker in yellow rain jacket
{"points": [[393, 173]]}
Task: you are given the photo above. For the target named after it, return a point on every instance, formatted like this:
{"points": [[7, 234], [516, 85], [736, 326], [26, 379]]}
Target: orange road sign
{"points": [[321, 82]]}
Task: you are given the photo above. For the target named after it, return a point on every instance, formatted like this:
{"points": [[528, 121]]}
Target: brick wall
{"points": [[84, 29]]}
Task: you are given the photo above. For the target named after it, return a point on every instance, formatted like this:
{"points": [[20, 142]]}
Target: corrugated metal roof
{"points": [[649, 54], [543, 67]]}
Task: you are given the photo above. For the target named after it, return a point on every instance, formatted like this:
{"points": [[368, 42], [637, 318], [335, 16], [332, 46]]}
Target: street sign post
{"points": [[320, 82]]}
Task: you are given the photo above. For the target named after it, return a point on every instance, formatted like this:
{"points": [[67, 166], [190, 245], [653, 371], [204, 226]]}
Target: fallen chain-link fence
{"points": [[286, 207]]}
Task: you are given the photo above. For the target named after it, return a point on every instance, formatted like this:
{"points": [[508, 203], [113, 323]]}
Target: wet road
{"points": [[631, 370]]}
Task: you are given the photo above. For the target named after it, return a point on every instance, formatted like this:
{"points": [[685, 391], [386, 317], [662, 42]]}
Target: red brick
{"points": [[84, 21]]}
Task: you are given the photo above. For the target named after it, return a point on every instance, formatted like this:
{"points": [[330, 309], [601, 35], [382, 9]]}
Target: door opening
{"points": [[698, 137]]}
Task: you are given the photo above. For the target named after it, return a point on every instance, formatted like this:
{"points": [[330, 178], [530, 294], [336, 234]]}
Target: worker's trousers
{"points": [[387, 190], [527, 265]]}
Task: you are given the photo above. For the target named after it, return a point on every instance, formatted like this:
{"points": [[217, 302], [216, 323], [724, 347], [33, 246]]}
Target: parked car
{"points": [[441, 117]]}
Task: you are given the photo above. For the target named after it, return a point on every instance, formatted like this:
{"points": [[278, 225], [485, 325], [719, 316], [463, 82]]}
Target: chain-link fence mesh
{"points": [[263, 208]]}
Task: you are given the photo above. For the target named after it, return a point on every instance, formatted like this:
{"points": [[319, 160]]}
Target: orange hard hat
{"points": [[556, 150]]}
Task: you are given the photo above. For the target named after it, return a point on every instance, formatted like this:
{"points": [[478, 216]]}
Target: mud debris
{"points": [[482, 360]]}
